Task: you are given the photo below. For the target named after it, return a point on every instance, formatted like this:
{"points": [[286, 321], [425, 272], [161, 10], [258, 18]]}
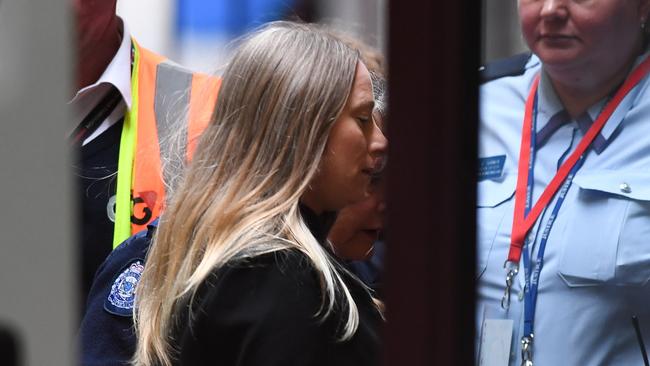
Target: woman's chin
{"points": [[359, 247]]}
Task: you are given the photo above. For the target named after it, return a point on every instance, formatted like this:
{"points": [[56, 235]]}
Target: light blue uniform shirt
{"points": [[597, 259]]}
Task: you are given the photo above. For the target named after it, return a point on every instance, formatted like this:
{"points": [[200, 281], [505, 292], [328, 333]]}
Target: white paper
{"points": [[496, 340]]}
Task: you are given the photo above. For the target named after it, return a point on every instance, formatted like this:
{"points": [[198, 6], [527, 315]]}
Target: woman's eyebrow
{"points": [[364, 105]]}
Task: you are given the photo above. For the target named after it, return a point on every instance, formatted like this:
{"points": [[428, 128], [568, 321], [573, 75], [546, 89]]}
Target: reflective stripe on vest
{"points": [[162, 95]]}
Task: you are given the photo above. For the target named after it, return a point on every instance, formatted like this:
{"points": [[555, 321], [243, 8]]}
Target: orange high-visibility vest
{"points": [[162, 94]]}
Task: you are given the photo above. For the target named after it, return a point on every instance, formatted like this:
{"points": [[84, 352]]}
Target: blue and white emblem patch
{"points": [[121, 299]]}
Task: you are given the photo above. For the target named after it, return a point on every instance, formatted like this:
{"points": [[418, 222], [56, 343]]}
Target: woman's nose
{"points": [[378, 143], [554, 9]]}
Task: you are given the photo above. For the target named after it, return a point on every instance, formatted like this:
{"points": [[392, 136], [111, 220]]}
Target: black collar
{"points": [[318, 225]]}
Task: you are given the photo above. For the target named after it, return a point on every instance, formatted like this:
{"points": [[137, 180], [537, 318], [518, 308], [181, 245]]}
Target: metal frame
{"points": [[434, 53]]}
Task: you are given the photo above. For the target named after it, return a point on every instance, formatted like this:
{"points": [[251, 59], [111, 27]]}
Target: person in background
{"points": [[292, 141], [357, 232], [563, 200], [122, 106]]}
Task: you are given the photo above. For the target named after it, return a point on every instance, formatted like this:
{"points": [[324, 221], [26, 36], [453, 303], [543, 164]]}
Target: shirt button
{"points": [[625, 188]]}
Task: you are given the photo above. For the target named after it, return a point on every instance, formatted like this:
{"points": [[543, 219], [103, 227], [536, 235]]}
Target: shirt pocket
{"points": [[493, 198], [607, 237]]}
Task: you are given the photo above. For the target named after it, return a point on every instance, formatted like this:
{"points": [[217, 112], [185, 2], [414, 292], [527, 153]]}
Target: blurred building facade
{"points": [[197, 33], [501, 36]]}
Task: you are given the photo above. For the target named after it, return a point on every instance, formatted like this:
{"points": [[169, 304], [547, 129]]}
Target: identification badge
{"points": [[491, 167], [496, 341]]}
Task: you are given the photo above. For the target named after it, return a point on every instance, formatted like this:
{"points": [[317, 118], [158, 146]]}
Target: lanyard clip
{"points": [[513, 269], [527, 350]]}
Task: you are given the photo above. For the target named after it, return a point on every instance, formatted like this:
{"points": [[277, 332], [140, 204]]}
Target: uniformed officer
{"points": [[127, 98], [107, 335], [563, 194]]}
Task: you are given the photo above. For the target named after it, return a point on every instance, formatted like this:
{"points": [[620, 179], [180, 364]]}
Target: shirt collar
{"points": [[117, 73], [621, 111], [548, 103], [319, 225], [549, 106]]}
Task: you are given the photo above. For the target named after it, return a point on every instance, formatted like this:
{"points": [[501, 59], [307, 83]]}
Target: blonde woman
{"points": [[239, 272]]}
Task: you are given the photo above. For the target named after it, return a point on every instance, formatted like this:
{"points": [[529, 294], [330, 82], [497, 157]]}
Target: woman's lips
{"points": [[557, 40], [376, 169]]}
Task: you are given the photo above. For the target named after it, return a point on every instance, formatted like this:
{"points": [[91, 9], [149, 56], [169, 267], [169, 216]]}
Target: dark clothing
{"points": [[262, 311], [370, 270], [107, 336], [97, 181], [511, 66]]}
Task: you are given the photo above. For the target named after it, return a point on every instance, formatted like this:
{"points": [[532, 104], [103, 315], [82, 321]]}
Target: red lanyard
{"points": [[521, 223]]}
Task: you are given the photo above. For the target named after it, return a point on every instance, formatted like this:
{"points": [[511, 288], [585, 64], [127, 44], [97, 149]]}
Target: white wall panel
{"points": [[37, 251]]}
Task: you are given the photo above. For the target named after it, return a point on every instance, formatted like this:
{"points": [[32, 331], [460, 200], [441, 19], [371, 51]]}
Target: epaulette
{"points": [[511, 66]]}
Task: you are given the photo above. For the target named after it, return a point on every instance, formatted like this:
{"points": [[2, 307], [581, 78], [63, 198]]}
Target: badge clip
{"points": [[513, 269], [527, 350]]}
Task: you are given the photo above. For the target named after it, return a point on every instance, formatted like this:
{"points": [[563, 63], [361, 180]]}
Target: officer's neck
{"points": [[580, 88], [96, 54]]}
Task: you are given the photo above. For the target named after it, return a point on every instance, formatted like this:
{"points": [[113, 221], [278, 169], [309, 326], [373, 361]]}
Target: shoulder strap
{"points": [[511, 66]]}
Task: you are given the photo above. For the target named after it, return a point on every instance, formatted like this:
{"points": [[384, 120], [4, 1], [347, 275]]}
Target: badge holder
{"points": [[497, 333]]}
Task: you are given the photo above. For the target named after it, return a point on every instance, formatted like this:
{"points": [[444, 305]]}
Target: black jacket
{"points": [[107, 337], [263, 311]]}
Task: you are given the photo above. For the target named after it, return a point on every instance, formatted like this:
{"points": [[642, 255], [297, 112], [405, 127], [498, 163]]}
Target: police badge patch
{"points": [[121, 299]]}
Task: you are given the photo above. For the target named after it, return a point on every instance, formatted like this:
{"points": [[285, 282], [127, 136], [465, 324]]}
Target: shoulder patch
{"points": [[121, 299], [511, 66]]}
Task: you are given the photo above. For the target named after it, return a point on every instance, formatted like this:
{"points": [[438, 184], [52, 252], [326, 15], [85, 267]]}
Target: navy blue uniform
{"points": [[107, 334], [370, 271]]}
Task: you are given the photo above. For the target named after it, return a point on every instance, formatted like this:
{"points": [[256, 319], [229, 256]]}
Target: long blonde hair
{"points": [[282, 91]]}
